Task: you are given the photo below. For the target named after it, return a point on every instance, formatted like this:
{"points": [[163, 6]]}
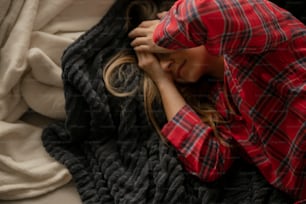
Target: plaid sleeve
{"points": [[225, 27], [201, 152]]}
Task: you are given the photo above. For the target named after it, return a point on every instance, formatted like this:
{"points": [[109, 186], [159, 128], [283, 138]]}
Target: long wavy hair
{"points": [[196, 94]]}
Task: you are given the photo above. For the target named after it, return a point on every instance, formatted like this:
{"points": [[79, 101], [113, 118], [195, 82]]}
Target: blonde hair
{"points": [[193, 93], [115, 68]]}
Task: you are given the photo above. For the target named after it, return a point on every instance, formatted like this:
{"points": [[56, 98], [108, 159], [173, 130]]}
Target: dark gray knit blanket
{"points": [[110, 148]]}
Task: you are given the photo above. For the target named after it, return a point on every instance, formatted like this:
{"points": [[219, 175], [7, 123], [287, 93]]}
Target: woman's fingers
{"points": [[138, 32], [143, 40], [142, 48], [147, 47], [145, 28], [139, 41]]}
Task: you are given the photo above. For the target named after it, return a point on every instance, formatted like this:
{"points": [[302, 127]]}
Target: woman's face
{"points": [[188, 65]]}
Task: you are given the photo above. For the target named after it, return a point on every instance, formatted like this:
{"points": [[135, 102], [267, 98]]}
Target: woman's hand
{"points": [[143, 37], [171, 98], [150, 64]]}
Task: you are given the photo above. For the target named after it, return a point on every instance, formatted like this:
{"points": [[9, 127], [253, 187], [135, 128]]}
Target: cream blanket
{"points": [[33, 36]]}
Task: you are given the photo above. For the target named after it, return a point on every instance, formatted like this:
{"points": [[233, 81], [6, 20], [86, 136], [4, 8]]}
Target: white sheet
{"points": [[33, 36]]}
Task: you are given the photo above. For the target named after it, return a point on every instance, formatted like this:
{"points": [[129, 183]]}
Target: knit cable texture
{"points": [[109, 147]]}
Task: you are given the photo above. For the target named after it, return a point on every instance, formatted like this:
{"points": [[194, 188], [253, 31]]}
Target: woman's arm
{"points": [[171, 98], [201, 152], [226, 27]]}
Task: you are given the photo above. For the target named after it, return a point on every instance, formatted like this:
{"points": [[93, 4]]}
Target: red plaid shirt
{"points": [[264, 48]]}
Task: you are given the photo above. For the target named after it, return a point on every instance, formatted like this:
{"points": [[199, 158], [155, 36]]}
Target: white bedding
{"points": [[33, 36]]}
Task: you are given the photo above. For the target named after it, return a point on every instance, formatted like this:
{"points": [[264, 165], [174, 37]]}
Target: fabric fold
{"points": [[31, 88]]}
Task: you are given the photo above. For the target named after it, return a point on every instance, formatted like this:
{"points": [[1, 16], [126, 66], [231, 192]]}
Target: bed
{"points": [[51, 53]]}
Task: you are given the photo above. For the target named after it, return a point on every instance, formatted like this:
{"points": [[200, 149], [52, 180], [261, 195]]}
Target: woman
{"points": [[259, 51]]}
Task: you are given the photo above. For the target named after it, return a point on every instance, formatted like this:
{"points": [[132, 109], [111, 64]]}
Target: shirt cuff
{"points": [[178, 129]]}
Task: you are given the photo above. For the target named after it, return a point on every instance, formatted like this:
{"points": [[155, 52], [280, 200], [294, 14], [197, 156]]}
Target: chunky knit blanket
{"points": [[110, 148]]}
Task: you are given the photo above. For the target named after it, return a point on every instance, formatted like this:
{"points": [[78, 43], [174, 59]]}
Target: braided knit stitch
{"points": [[109, 147]]}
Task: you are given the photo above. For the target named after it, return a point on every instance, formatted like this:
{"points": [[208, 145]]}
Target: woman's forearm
{"points": [[224, 27], [172, 100]]}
